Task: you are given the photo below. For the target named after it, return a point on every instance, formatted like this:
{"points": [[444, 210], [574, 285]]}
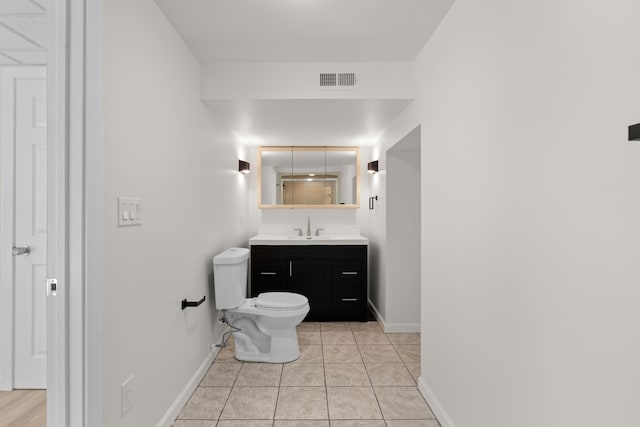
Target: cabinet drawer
{"points": [[348, 273], [268, 275], [349, 302]]}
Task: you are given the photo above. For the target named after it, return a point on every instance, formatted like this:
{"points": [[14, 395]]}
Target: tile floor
{"points": [[349, 374]]}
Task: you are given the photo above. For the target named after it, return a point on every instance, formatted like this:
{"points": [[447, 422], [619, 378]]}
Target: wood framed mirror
{"points": [[308, 177]]}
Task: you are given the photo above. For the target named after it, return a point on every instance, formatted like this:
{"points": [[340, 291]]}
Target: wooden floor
{"points": [[23, 408]]}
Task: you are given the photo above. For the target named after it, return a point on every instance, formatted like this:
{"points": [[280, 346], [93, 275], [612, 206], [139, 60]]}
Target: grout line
{"points": [[275, 407], [230, 391], [373, 390], [324, 372]]}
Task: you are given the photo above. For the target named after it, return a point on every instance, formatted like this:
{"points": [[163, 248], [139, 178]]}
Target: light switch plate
{"points": [[129, 211]]}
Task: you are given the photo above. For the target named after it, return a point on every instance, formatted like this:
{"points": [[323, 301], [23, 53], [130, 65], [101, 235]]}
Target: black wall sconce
{"points": [[634, 132], [372, 167], [243, 166]]}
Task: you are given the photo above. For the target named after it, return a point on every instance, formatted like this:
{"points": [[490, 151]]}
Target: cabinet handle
{"points": [[349, 299], [290, 268], [268, 273], [349, 273]]}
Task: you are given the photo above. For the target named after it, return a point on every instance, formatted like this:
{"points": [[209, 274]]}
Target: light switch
{"points": [[129, 211]]}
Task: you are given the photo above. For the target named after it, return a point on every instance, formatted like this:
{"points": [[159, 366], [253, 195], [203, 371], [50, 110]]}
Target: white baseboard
{"points": [[390, 328], [434, 404], [177, 405], [376, 313]]}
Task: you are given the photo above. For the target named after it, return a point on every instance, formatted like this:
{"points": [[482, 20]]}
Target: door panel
{"points": [[310, 277], [30, 229]]}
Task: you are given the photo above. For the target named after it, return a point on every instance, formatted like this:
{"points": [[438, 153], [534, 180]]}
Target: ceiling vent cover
{"points": [[328, 80], [338, 80]]}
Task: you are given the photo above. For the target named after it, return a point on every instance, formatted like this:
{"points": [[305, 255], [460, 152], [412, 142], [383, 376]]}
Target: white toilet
{"points": [[264, 327]]}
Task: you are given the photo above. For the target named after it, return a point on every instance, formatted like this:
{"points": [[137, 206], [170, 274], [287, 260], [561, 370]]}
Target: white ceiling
{"points": [[273, 31], [345, 122], [305, 30], [23, 32]]}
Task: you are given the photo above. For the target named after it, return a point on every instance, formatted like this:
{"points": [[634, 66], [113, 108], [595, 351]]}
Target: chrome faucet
{"points": [[308, 226]]}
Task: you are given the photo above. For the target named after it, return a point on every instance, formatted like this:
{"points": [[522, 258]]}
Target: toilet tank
{"points": [[230, 277]]}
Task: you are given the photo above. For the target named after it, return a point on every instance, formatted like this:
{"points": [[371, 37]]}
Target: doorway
{"points": [[403, 227], [24, 227], [66, 36]]}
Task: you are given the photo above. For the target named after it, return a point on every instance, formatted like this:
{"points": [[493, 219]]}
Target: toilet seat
{"points": [[281, 301], [249, 307]]}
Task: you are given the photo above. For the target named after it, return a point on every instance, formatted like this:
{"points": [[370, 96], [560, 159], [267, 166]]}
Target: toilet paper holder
{"points": [[186, 303]]}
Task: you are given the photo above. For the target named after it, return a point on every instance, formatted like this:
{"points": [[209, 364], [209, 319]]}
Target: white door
{"points": [[30, 269]]}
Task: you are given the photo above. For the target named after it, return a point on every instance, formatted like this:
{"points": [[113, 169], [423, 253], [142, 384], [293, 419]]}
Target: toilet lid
{"points": [[281, 300]]}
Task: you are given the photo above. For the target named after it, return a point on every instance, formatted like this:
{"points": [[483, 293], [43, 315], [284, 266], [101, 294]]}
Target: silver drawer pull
{"points": [[349, 299], [268, 273], [349, 273]]}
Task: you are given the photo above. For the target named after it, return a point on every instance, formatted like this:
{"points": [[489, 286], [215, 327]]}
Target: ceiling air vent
{"points": [[347, 79], [338, 80], [328, 80]]}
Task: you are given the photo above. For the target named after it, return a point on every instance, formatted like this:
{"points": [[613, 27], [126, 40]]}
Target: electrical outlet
{"points": [[126, 394]]}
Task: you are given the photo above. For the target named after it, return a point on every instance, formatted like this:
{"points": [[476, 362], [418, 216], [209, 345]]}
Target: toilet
{"points": [[264, 328]]}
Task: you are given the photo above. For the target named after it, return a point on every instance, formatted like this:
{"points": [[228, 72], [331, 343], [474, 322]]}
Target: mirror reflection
{"points": [[309, 177]]}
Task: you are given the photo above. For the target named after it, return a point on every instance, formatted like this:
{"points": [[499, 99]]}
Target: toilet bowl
{"points": [[265, 326]]}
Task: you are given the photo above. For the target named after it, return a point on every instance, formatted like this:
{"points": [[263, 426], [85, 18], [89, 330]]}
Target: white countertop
{"points": [[268, 239]]}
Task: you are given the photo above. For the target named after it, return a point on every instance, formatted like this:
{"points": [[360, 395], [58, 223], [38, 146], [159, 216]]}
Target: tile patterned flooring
{"points": [[349, 374]]}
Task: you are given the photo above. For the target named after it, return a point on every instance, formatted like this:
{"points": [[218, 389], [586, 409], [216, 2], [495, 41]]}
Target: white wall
{"points": [[379, 289], [402, 249], [299, 80], [160, 144], [531, 207]]}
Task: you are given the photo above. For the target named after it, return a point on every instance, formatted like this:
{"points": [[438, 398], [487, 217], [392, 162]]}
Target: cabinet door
{"points": [[310, 277], [269, 275]]}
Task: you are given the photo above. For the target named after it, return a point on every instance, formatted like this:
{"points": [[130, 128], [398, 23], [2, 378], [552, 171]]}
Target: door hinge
{"points": [[52, 287]]}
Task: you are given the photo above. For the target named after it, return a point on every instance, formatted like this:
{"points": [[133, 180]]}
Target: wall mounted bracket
{"points": [[186, 303], [371, 200]]}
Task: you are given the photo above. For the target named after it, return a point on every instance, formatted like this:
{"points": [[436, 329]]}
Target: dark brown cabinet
{"points": [[333, 278]]}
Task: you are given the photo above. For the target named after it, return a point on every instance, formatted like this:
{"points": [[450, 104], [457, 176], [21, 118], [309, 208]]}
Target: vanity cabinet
{"points": [[332, 277]]}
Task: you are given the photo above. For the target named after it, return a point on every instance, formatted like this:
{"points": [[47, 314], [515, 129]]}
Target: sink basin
{"points": [[267, 239]]}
